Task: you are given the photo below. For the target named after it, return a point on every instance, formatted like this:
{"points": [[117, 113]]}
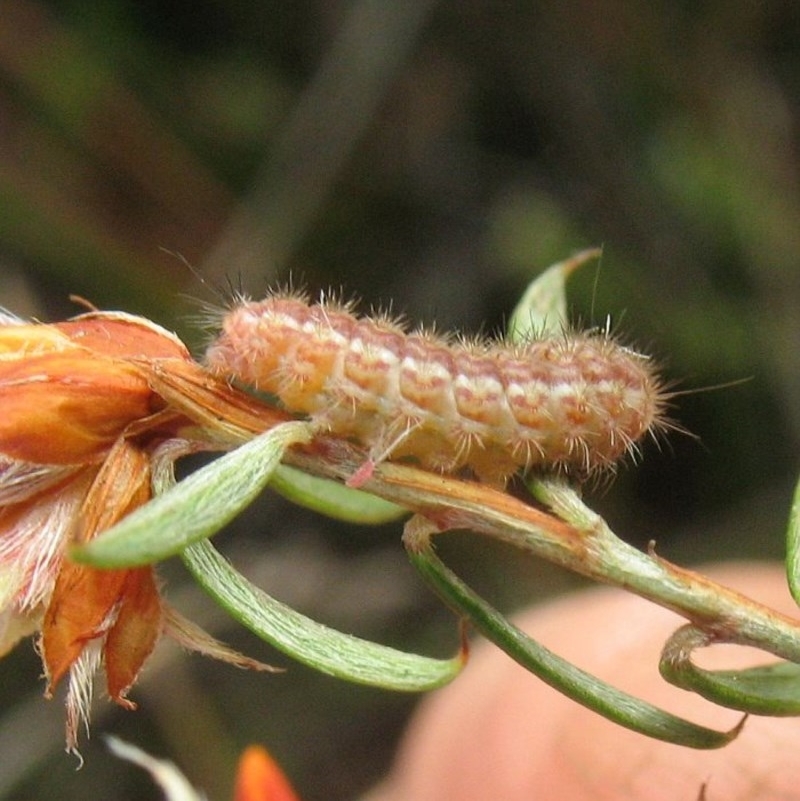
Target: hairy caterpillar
{"points": [[574, 402]]}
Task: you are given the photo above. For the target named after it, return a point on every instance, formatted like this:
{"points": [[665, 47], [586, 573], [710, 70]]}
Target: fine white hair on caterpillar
{"points": [[572, 402]]}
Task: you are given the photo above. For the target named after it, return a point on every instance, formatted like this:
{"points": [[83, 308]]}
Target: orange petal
{"points": [[133, 636], [82, 602], [88, 603], [120, 486], [65, 408], [123, 336], [260, 779], [68, 390]]}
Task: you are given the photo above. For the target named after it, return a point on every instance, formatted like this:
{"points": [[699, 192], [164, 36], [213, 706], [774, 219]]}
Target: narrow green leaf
{"points": [[543, 308], [793, 547], [196, 507], [309, 642], [765, 690], [333, 499], [575, 683]]}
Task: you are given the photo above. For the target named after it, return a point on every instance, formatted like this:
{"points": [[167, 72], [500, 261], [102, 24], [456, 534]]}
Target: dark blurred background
{"points": [[435, 157]]}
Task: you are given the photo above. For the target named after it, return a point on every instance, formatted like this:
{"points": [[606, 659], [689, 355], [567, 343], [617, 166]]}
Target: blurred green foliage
{"points": [[431, 157]]}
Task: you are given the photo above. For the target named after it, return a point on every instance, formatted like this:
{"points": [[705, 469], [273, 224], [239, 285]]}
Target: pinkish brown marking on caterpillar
{"points": [[575, 402]]}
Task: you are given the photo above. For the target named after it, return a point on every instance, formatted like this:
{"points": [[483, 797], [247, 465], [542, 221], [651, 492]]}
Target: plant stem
{"points": [[577, 539]]}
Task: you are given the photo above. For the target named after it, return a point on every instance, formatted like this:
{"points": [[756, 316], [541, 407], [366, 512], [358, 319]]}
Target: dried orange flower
{"points": [[79, 431]]}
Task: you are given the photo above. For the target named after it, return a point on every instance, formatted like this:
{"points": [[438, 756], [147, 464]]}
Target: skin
{"points": [[499, 733]]}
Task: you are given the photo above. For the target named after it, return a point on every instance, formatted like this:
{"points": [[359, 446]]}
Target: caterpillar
{"points": [[575, 402]]}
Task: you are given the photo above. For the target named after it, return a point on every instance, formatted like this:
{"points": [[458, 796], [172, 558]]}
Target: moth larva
{"points": [[573, 402]]}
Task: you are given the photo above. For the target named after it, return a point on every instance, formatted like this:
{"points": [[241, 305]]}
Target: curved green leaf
{"points": [[575, 683], [543, 308], [765, 690], [312, 643], [333, 499], [194, 508]]}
